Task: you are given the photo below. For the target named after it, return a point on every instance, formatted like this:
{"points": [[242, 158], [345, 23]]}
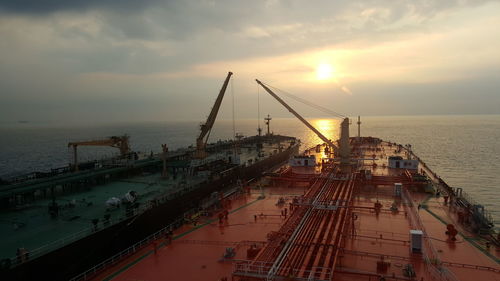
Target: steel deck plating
{"points": [[338, 225]]}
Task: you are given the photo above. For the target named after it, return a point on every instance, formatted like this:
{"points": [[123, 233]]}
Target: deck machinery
{"points": [[120, 142]]}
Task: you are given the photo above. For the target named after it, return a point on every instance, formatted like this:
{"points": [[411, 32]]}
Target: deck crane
{"points": [[120, 142], [201, 141], [344, 151]]}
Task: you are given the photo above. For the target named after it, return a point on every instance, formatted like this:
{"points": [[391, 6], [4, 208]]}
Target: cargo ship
{"points": [[58, 223], [359, 208]]}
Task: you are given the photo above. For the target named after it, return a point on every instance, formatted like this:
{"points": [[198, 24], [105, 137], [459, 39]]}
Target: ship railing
{"points": [[57, 244], [261, 269], [435, 269], [137, 246], [252, 268], [49, 247], [472, 266], [127, 252], [441, 273], [486, 216], [442, 186], [436, 274], [416, 223]]}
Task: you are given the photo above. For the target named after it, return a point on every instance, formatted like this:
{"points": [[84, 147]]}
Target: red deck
{"points": [[333, 232], [197, 250]]}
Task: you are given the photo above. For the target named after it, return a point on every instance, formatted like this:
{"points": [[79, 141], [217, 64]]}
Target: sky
{"points": [[101, 61]]}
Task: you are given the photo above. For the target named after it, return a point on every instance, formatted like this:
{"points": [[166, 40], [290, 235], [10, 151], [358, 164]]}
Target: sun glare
{"points": [[328, 127], [324, 71]]}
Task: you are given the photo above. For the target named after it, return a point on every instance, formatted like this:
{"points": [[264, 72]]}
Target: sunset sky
{"points": [[110, 61]]}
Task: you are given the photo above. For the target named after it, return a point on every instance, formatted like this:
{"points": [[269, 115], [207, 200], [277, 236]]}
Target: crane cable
{"points": [[319, 107]]}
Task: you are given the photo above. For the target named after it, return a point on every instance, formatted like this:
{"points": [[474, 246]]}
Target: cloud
{"points": [[128, 50], [35, 7], [346, 90]]}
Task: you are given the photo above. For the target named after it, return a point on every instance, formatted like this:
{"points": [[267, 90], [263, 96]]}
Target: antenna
{"points": [[359, 128], [268, 121]]}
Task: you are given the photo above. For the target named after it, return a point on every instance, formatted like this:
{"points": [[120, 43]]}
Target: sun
{"points": [[324, 71]]}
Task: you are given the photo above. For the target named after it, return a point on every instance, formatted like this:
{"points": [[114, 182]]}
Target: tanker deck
{"points": [[386, 216]]}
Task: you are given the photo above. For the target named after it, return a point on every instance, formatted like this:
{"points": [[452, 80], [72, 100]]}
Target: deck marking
{"points": [[127, 266], [468, 239], [132, 263]]}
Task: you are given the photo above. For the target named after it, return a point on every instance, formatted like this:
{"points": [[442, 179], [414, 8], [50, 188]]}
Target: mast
{"points": [[268, 121], [359, 128]]}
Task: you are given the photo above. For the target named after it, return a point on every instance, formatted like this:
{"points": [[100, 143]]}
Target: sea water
{"points": [[463, 149]]}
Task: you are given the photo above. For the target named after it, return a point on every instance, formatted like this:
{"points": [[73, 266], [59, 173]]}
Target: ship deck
{"points": [[29, 226], [334, 232], [196, 251], [32, 227]]}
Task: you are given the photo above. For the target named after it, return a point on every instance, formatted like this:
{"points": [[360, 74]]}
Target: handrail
{"points": [[130, 250], [260, 269], [435, 269], [438, 182], [137, 246], [57, 244], [51, 246]]}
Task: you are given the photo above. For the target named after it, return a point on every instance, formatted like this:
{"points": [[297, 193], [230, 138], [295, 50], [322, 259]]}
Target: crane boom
{"points": [[318, 133], [202, 139], [120, 142]]}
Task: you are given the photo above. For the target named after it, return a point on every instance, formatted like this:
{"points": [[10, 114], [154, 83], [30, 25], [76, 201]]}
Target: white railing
{"points": [[259, 269]]}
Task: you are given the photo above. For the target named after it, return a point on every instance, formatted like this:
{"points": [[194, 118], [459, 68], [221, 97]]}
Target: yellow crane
{"points": [[120, 142], [206, 128]]}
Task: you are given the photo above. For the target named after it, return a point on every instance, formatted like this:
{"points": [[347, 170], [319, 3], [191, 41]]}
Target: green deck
{"points": [[35, 228], [31, 227]]}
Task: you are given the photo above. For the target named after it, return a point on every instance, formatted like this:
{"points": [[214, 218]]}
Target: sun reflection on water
{"points": [[328, 127]]}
